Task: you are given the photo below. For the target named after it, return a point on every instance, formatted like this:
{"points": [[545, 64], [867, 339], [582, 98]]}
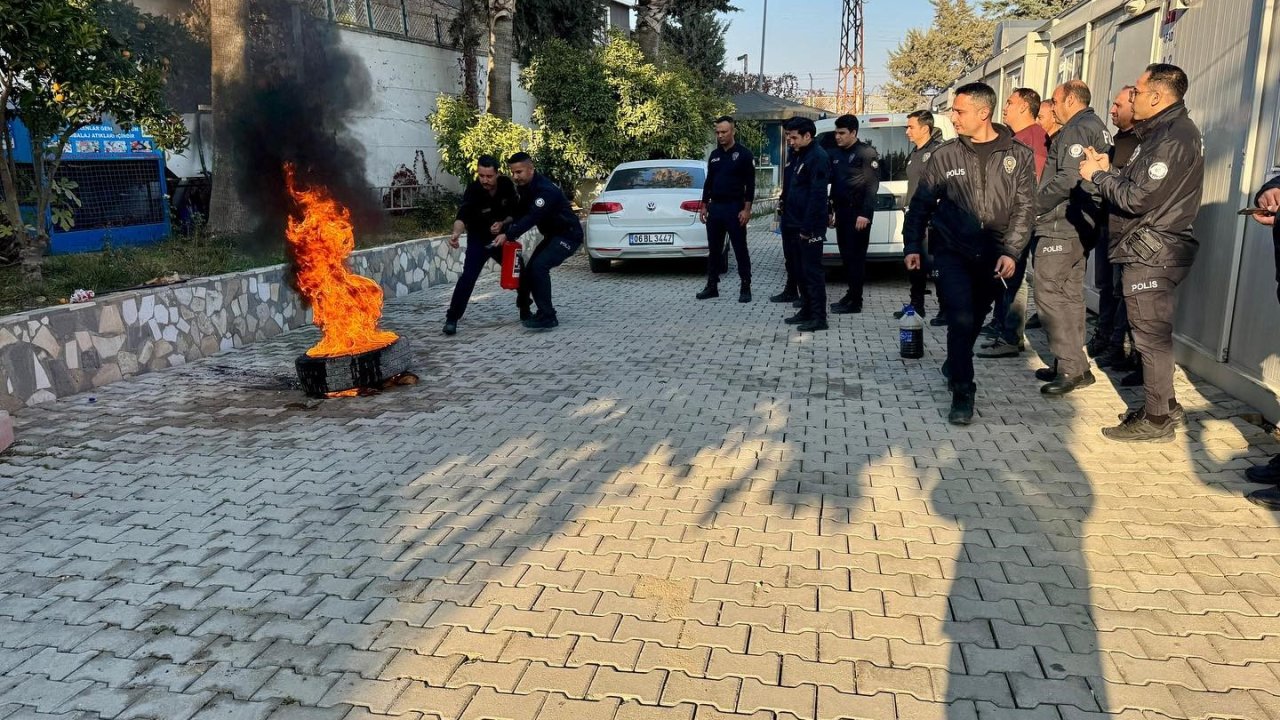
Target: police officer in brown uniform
{"points": [[1156, 198]]}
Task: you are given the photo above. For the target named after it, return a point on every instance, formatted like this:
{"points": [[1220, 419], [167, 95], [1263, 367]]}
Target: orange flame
{"points": [[345, 306]]}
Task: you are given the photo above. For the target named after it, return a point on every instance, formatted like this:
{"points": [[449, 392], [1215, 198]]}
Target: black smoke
{"points": [[303, 89]]}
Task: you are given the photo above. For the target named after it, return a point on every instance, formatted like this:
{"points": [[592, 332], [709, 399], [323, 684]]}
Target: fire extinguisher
{"points": [[512, 264]]}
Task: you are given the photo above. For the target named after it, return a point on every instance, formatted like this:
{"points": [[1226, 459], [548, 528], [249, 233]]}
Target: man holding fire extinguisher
{"points": [[488, 203], [544, 206]]}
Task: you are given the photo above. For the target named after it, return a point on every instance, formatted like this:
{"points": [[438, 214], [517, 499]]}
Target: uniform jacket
{"points": [[479, 210], [1122, 147], [972, 208], [1159, 189], [804, 191], [916, 161], [855, 178], [1275, 229], [1063, 195], [731, 175], [544, 206]]}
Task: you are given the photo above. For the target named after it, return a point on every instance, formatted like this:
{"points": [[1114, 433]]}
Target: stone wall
{"points": [[53, 352]]}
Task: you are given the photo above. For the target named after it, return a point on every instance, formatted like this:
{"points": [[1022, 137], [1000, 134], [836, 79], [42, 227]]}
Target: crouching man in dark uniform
{"points": [[804, 221], [855, 181], [1269, 199], [976, 200], [488, 203], [542, 205], [1156, 199]]}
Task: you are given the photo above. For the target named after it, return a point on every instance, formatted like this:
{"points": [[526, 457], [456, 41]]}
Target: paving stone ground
{"points": [[664, 510]]}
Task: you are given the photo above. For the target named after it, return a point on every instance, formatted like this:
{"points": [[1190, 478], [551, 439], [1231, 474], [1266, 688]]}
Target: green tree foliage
{"points": [[929, 61], [578, 23], [698, 38], [61, 70], [1025, 9], [185, 54], [751, 136]]}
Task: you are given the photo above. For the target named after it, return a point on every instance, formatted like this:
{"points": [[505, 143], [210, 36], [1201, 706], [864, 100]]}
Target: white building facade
{"points": [[1228, 323]]}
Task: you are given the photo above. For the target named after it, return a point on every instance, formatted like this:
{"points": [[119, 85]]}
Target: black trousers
{"points": [[853, 252], [968, 286], [1113, 315], [1060, 268], [722, 220], [1149, 293], [477, 254], [535, 280], [804, 263]]}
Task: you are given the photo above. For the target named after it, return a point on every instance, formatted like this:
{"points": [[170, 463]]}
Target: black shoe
{"points": [[1268, 498], [1269, 473], [962, 405], [710, 291], [1177, 413], [946, 369], [844, 307], [525, 314], [783, 297], [998, 348], [1033, 322], [450, 327], [542, 322], [744, 294], [797, 303], [812, 325], [1063, 384], [1136, 427], [1133, 379], [1129, 363], [1097, 345], [938, 320], [1112, 357], [1047, 374], [798, 318]]}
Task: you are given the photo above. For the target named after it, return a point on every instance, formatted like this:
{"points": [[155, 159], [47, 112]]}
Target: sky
{"points": [[803, 37]]}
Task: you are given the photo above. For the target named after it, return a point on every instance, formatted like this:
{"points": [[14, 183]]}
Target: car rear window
{"points": [[890, 142], [657, 178]]}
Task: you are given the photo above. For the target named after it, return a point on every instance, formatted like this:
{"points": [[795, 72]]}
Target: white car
{"points": [[648, 209], [887, 134]]}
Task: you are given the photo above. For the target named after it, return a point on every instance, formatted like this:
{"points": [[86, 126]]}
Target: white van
{"points": [[886, 132]]}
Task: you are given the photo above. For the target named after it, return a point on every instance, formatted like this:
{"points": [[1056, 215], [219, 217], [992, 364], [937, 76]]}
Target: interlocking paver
{"points": [[664, 510]]}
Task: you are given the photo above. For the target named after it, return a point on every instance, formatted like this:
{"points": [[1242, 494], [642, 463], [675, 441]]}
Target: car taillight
{"points": [[605, 208], [692, 206]]}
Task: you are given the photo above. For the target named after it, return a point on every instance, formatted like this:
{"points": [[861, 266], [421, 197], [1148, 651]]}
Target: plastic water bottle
{"points": [[910, 334]]}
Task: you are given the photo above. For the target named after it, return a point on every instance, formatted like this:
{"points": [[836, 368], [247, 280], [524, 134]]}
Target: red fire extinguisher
{"points": [[512, 264]]}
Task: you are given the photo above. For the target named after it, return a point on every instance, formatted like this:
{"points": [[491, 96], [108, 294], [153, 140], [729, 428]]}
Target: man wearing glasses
{"points": [[1155, 200]]}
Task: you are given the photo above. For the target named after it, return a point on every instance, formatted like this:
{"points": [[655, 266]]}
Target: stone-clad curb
{"points": [[54, 352]]}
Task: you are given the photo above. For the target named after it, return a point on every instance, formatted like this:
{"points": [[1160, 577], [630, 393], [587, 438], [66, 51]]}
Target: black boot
{"points": [[1269, 473], [708, 292], [962, 397], [785, 296], [744, 293]]}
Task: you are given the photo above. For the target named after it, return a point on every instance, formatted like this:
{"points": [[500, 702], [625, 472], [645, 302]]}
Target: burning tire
{"points": [[321, 376]]}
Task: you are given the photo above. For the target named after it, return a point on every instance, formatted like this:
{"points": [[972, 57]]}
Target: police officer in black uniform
{"points": [[727, 195], [925, 139], [1067, 227], [1107, 343], [1157, 197], [977, 199], [1268, 199], [803, 210], [542, 205], [488, 203], [855, 181]]}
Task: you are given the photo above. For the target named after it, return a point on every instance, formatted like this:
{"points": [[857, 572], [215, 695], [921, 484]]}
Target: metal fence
{"points": [[422, 20], [398, 198]]}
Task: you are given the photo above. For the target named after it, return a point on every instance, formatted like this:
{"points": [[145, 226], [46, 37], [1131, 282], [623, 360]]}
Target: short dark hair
{"points": [[520, 157], [488, 161], [924, 117], [981, 93], [802, 125], [1079, 90], [1030, 97], [1170, 77], [847, 122], [726, 118]]}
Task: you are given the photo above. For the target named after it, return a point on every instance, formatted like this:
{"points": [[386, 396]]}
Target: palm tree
{"points": [[467, 32], [229, 40], [651, 15], [501, 51]]}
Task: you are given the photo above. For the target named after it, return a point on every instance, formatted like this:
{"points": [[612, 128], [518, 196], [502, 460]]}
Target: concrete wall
{"points": [[50, 353]]}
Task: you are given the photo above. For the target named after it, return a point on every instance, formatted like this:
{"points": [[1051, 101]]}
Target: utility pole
{"points": [[764, 25], [851, 95], [745, 71]]}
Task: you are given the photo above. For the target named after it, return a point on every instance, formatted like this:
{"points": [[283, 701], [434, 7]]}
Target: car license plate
{"points": [[652, 238]]}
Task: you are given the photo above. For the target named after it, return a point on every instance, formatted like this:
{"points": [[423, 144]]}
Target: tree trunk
{"points": [[651, 15], [229, 39], [501, 51]]}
